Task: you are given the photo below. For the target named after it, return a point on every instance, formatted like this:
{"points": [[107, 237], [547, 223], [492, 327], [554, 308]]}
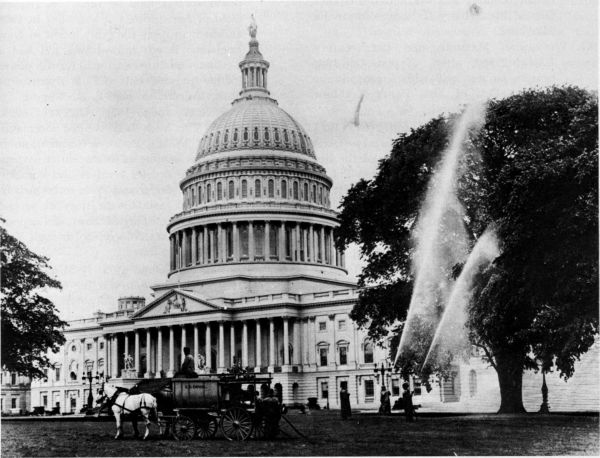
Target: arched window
{"points": [[244, 189], [235, 137], [295, 190], [314, 193], [267, 136], [256, 137], [199, 194], [246, 135], [306, 191], [277, 139], [286, 137], [472, 383], [231, 190], [368, 351], [257, 188], [320, 200], [294, 141], [208, 192], [217, 139], [271, 188], [226, 137], [219, 190], [194, 196], [284, 189], [210, 142]]}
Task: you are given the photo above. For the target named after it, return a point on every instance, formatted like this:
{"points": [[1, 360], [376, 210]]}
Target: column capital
{"points": [[312, 318], [332, 316]]}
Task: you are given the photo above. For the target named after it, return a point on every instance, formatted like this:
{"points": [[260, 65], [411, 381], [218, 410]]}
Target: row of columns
{"points": [[281, 241], [254, 76], [303, 335]]}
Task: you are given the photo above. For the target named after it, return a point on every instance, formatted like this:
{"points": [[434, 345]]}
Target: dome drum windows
{"points": [[295, 191], [271, 188], [276, 135], [284, 194], [257, 187], [231, 190], [256, 136], [219, 191], [286, 137], [244, 189]]}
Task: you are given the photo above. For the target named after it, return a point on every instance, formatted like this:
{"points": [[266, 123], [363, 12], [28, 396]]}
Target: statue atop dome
{"points": [[252, 27]]}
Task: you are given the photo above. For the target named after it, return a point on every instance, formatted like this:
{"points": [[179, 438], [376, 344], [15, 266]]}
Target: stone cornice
{"points": [[259, 208], [261, 278]]}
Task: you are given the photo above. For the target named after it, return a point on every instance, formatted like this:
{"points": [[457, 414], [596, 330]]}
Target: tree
{"points": [[30, 324], [531, 171]]}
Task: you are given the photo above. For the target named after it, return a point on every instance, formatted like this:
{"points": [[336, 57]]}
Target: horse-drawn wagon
{"points": [[238, 404]]}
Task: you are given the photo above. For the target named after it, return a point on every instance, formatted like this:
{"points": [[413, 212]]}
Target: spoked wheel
{"points": [[184, 428], [206, 427], [236, 424]]}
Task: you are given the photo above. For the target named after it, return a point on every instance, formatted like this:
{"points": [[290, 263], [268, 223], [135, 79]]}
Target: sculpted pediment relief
{"points": [[176, 302]]}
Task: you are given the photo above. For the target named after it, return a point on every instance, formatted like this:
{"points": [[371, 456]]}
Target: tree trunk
{"points": [[510, 377]]}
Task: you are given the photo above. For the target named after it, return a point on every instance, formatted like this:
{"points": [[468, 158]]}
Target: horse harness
{"points": [[113, 402]]}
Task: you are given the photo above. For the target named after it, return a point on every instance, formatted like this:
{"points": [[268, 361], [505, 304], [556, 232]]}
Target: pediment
{"points": [[176, 302]]}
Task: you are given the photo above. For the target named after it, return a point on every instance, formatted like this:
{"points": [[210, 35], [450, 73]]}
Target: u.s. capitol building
{"points": [[254, 280]]}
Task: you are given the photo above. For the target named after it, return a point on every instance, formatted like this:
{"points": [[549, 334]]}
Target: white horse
{"points": [[123, 403]]}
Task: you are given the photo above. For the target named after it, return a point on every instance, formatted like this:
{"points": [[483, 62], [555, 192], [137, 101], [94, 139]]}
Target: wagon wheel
{"points": [[236, 424], [183, 428], [206, 427]]}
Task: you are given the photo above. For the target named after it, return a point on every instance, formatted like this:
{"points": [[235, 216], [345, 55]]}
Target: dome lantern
{"points": [[254, 67]]}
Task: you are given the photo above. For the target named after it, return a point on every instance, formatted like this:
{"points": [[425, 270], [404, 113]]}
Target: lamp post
{"points": [[383, 369], [544, 407], [90, 379]]}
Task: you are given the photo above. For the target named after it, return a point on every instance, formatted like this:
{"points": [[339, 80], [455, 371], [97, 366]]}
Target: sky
{"points": [[102, 106]]}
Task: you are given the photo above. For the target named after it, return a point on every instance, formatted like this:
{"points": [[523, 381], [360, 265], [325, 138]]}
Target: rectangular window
{"points": [[259, 240], [13, 403], [395, 387], [322, 326], [45, 400], [274, 242], [342, 325], [57, 373], [369, 390], [88, 346], [417, 386], [101, 345], [343, 355], [229, 231], [323, 356], [244, 241], [324, 390], [13, 379]]}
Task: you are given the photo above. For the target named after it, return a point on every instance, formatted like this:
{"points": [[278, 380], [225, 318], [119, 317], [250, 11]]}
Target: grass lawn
{"points": [[530, 434]]}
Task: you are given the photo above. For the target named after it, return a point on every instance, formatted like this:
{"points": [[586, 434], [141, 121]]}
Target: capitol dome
{"points": [[255, 194], [255, 123]]}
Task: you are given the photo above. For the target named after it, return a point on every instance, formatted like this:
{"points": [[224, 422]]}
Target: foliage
{"points": [[30, 324], [532, 172]]}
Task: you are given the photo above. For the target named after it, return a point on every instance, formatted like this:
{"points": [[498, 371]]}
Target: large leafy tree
{"points": [[30, 324], [531, 171]]}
